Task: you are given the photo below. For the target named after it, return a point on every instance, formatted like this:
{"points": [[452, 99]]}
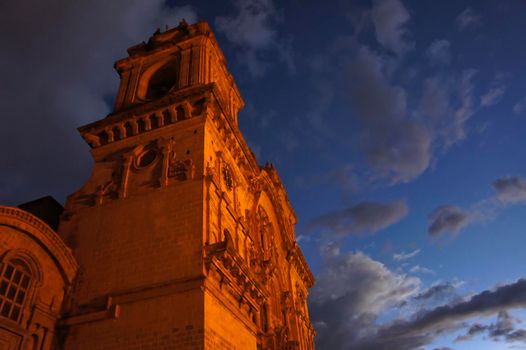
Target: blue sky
{"points": [[397, 128]]}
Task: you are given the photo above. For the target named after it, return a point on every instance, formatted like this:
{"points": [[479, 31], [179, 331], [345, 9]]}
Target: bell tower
{"points": [[182, 239]]}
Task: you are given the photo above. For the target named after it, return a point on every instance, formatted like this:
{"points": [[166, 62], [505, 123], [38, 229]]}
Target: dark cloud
{"points": [[400, 148], [485, 303], [390, 18], [428, 324], [447, 218], [396, 147], [346, 312], [511, 189], [502, 330], [400, 129], [518, 335], [346, 315], [57, 58], [468, 19], [364, 217], [474, 330], [253, 31]]}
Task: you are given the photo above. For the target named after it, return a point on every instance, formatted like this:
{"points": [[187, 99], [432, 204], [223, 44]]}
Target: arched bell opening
{"points": [[159, 79]]}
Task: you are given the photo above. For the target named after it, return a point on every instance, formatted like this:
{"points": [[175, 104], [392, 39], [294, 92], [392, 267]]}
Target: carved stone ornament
{"points": [[227, 177], [110, 189], [182, 170]]}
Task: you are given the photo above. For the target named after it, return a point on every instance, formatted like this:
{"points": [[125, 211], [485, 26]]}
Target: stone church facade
{"points": [[178, 239]]}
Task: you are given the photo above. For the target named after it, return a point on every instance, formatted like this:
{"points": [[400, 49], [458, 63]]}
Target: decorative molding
{"points": [[233, 270], [295, 256], [110, 311], [42, 232]]}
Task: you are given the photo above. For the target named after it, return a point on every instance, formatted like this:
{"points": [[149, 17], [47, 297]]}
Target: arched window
{"points": [[15, 280]]}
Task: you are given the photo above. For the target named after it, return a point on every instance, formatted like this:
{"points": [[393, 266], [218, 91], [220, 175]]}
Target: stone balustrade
{"points": [[136, 125]]}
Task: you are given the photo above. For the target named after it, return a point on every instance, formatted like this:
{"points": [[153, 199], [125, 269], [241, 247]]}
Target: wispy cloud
{"points": [[439, 293], [447, 103], [421, 269], [520, 106], [439, 52], [390, 18], [495, 92], [468, 19], [406, 256]]}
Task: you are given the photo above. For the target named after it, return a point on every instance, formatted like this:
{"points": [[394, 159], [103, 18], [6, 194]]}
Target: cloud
{"points": [[364, 217], [447, 218], [511, 189], [346, 177], [468, 19], [439, 292], [400, 128], [488, 302], [397, 148], [493, 96], [502, 330], [439, 52], [427, 324], [496, 90], [390, 18], [520, 106], [405, 256], [253, 31], [518, 335], [472, 331], [465, 109], [421, 269], [59, 77], [447, 103], [346, 312]]}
